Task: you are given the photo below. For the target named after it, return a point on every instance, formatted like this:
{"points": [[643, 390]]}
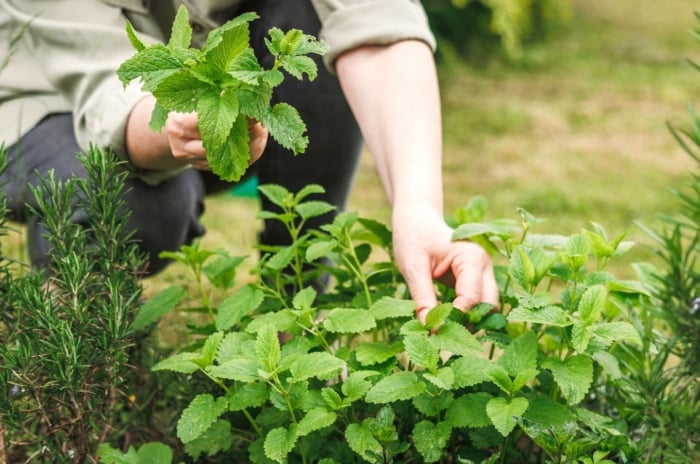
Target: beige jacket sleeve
{"points": [[347, 24]]}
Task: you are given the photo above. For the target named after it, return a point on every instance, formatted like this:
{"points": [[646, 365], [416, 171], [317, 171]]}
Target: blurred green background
{"points": [[559, 107]]}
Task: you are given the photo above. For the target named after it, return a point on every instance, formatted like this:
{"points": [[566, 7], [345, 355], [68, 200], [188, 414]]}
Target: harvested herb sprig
{"points": [[224, 83]]}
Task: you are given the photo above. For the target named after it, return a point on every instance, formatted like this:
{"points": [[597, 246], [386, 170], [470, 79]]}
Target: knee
{"points": [[166, 216]]}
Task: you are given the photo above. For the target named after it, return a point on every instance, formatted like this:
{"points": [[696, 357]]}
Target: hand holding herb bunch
{"points": [[226, 87]]}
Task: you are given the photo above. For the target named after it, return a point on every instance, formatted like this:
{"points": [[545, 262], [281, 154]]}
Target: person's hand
{"points": [[424, 251], [186, 142]]}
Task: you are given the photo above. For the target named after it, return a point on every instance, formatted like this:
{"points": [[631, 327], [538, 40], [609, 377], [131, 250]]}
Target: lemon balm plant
{"points": [[350, 375]]}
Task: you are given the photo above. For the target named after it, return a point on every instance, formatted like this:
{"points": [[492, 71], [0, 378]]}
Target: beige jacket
{"points": [[65, 61]]}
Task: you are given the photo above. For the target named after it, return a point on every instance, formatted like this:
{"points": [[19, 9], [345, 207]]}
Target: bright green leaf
{"points": [[286, 127], [184, 363], [574, 376], [375, 353], [230, 160], [311, 209], [549, 315], [241, 303], [437, 315], [615, 332], [349, 320], [249, 395], [392, 308], [521, 354], [239, 368], [356, 385], [431, 439], [181, 32], [315, 419], [402, 385], [362, 441], [592, 303], [421, 352], [196, 419], [267, 348], [279, 442], [503, 413], [581, 336], [217, 111], [443, 378], [157, 306], [472, 370], [455, 338], [320, 365]]}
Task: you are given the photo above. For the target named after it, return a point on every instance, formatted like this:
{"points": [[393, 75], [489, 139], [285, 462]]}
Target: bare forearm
{"points": [[393, 92]]}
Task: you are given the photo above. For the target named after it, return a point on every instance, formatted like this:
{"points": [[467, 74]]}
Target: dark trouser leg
{"points": [[164, 216], [335, 142]]}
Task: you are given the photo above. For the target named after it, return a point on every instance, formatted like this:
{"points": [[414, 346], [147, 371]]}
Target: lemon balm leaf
{"points": [[230, 161], [287, 127], [217, 113], [151, 65], [181, 33], [234, 42], [135, 40], [180, 92]]}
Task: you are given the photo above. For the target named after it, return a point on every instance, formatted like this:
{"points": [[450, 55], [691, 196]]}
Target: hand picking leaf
{"points": [[224, 83]]}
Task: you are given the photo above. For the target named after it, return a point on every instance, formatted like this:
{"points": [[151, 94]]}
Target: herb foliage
{"points": [[226, 86]]}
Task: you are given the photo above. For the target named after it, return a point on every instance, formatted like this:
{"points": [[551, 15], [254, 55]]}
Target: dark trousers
{"points": [[166, 216]]}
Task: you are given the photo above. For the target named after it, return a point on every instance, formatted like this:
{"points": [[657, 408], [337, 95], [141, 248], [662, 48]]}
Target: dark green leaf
{"points": [[469, 411], [216, 439]]}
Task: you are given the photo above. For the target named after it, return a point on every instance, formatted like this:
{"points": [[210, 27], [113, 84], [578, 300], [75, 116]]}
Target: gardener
{"points": [[59, 92]]}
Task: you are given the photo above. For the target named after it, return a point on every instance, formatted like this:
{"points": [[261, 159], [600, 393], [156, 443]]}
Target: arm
{"points": [[393, 92]]}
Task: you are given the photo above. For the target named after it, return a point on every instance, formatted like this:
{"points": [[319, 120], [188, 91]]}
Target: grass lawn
{"points": [[574, 132]]}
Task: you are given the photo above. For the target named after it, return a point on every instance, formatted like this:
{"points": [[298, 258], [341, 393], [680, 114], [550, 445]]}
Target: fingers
{"points": [[186, 142], [474, 279], [420, 283], [258, 140]]}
